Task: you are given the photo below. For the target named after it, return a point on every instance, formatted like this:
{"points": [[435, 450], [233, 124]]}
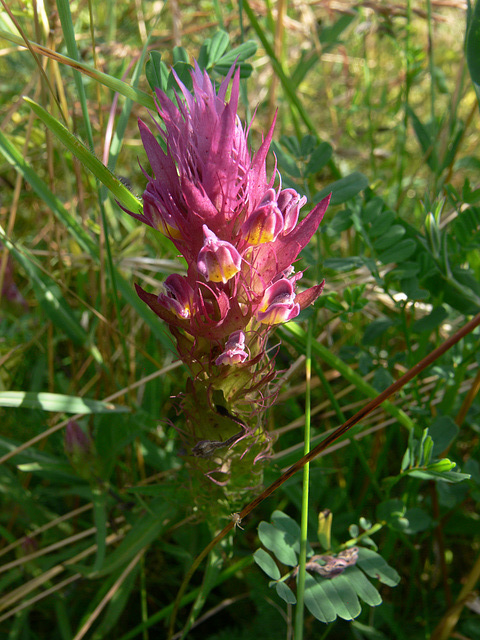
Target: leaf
{"points": [[267, 564], [375, 329], [392, 513], [472, 46], [319, 158], [398, 252], [425, 139], [391, 237], [343, 189], [285, 593], [363, 587], [89, 159], [218, 46], [432, 321], [317, 602], [156, 71], [279, 542], [144, 532], [375, 566], [443, 432], [57, 402], [418, 520]]}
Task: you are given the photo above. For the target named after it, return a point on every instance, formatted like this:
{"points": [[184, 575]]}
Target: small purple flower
{"points": [[218, 260], [278, 304], [234, 352], [77, 442], [178, 296]]}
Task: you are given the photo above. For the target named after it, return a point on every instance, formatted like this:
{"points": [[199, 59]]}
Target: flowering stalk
{"points": [[240, 237]]}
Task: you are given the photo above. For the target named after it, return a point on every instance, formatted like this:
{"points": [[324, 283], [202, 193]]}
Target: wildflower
{"points": [[240, 237]]}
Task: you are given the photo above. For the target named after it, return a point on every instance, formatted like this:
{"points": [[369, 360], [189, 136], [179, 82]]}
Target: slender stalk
{"points": [[306, 479]]}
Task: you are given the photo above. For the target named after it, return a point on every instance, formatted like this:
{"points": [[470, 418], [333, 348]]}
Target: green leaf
{"points": [[343, 189], [267, 564], [279, 542], [156, 71], [57, 402], [399, 252], [363, 587], [285, 593], [472, 47], [89, 159], [430, 322], [392, 513], [319, 158], [391, 237], [443, 432], [144, 532], [425, 139], [375, 329], [375, 566], [218, 46], [317, 601], [418, 520]]}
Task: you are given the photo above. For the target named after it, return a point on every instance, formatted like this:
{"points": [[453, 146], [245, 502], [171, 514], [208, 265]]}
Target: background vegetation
{"points": [[376, 104]]}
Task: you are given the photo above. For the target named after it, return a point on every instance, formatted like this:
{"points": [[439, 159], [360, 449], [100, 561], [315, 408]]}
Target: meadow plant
{"points": [[240, 237]]}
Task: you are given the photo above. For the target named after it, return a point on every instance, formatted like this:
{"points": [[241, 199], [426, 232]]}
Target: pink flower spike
{"points": [[234, 350], [265, 223], [278, 304], [218, 260], [178, 296]]}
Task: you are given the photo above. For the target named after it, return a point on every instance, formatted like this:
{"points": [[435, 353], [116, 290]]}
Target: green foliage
{"points": [[326, 597]]}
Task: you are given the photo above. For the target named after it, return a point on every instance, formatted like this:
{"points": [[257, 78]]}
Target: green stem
{"points": [[306, 478]]}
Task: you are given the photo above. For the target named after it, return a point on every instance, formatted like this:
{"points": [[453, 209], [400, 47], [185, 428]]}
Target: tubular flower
{"points": [[218, 260], [265, 223], [178, 296], [234, 352], [278, 304]]}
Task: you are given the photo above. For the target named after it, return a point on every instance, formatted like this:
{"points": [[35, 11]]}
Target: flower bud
{"points": [[218, 260], [178, 296], [265, 223], [278, 303], [234, 352]]}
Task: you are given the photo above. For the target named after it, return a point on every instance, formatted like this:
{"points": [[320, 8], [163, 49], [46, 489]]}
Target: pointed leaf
{"points": [[363, 587], [285, 593], [280, 542], [375, 566]]}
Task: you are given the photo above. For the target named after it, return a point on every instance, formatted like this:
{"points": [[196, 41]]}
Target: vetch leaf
{"points": [[472, 47], [280, 542], [343, 189], [363, 587], [317, 601], [443, 432], [267, 564], [285, 593], [398, 252], [375, 566]]}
